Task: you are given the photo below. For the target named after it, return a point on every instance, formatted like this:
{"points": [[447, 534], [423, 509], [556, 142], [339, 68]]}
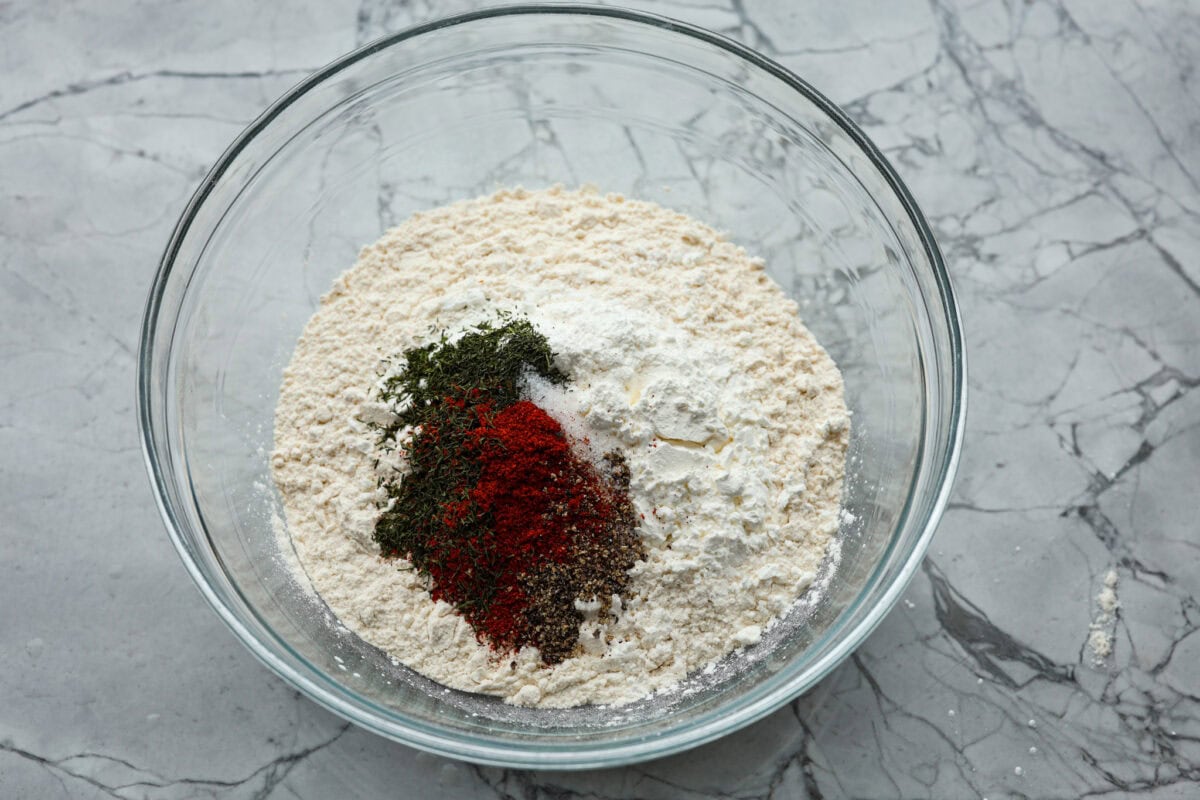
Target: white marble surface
{"points": [[1055, 147]]}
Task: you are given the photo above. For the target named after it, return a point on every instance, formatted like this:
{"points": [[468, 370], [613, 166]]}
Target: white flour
{"points": [[680, 349]]}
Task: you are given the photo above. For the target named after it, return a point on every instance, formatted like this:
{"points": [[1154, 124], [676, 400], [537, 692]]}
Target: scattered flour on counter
{"points": [[1100, 638], [681, 351]]}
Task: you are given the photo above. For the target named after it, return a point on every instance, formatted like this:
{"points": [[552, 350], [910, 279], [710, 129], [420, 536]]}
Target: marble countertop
{"points": [[1055, 147]]}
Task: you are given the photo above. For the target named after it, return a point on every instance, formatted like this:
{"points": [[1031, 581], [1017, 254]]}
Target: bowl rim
{"points": [[481, 748]]}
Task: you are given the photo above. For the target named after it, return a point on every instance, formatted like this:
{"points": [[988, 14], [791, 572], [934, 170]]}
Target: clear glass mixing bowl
{"points": [[534, 96]]}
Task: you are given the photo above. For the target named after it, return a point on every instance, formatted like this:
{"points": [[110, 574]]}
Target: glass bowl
{"points": [[535, 96]]}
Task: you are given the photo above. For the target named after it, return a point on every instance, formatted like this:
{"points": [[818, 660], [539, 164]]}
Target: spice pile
{"points": [[511, 525]]}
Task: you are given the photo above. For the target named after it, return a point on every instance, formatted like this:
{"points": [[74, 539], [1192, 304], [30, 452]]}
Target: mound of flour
{"points": [[681, 351]]}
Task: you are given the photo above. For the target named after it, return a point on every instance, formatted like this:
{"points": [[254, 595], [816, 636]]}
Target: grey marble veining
{"points": [[1055, 147]]}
